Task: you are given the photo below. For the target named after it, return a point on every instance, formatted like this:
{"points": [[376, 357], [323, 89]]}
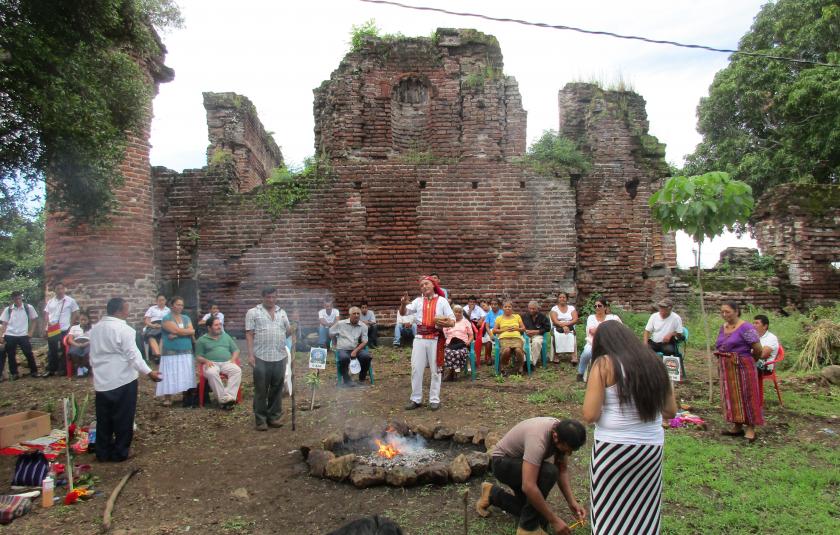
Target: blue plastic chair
{"points": [[498, 351], [472, 360], [338, 371]]}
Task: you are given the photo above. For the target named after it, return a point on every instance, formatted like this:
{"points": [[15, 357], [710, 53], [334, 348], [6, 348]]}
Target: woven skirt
{"points": [[626, 488], [740, 391], [178, 374]]}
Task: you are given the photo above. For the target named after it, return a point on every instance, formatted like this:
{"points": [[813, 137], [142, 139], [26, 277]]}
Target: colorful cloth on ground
{"points": [[626, 488], [12, 507], [739, 383]]}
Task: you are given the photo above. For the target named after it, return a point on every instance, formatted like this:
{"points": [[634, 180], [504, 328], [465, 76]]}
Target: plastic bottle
{"points": [[47, 488]]}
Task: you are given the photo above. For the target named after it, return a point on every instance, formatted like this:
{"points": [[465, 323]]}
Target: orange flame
{"points": [[387, 450]]}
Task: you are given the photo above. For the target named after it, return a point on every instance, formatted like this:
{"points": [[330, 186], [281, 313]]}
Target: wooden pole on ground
{"points": [[314, 386], [69, 466], [466, 512], [109, 505], [292, 365]]}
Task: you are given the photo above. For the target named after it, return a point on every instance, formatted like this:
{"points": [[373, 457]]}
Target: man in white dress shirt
{"points": [[116, 361], [62, 311], [431, 313], [663, 329]]}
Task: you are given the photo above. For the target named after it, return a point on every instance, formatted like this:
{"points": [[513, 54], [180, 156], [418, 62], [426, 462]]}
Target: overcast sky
{"points": [[276, 53]]}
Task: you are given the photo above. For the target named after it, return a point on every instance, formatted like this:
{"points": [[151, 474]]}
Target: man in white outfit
{"points": [[431, 313]]}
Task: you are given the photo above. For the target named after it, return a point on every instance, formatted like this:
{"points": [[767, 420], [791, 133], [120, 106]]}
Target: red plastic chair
{"points": [[780, 356], [202, 380], [66, 344]]}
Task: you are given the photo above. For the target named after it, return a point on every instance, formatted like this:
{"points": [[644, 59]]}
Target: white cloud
{"points": [[275, 53]]}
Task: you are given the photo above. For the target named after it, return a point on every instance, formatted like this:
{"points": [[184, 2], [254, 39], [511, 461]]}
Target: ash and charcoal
{"points": [[413, 451]]}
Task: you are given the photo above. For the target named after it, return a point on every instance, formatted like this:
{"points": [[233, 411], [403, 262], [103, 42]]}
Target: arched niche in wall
{"points": [[410, 109]]}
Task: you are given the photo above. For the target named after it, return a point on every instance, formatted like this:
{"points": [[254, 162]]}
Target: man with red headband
{"points": [[431, 313]]}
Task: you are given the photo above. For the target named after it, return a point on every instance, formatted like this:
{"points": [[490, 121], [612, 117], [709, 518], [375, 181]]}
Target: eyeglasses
{"points": [[599, 306]]}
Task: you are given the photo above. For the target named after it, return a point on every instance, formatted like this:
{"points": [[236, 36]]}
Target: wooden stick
{"points": [[69, 467], [466, 512], [109, 506], [312, 403], [292, 367]]}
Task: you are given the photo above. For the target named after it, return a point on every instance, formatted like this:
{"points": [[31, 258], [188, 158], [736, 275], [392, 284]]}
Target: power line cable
{"points": [[608, 34]]}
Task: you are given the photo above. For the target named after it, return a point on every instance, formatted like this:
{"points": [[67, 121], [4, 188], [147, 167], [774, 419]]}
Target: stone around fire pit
{"points": [[464, 436], [443, 433], [332, 440], [363, 476], [399, 476], [424, 431], [480, 435], [435, 473], [459, 470], [318, 460], [339, 468], [491, 439], [479, 462]]}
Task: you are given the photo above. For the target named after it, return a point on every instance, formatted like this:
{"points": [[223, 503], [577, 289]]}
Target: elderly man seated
{"points": [[218, 352], [351, 337], [536, 325], [663, 329]]}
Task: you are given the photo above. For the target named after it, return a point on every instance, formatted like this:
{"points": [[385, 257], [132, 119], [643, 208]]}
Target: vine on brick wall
{"points": [[287, 187]]}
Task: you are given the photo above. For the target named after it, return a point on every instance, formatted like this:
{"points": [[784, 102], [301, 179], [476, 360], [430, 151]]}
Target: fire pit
{"points": [[399, 455]]}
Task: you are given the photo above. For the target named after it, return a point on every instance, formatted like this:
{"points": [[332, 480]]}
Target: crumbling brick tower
{"points": [[96, 264], [622, 252]]}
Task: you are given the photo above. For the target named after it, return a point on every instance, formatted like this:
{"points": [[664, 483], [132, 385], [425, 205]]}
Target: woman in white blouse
{"points": [[592, 322]]}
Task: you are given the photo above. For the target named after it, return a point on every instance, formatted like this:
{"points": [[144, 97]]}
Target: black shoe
{"points": [[412, 405], [434, 406]]}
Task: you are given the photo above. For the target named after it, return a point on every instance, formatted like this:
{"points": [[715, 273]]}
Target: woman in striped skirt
{"points": [[176, 362], [738, 345], [627, 395]]}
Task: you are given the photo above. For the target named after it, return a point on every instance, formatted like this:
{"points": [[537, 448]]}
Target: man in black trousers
{"points": [[116, 361]]}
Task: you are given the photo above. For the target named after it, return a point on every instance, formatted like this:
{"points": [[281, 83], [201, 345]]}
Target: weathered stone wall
{"points": [[235, 129], [118, 259], [799, 224], [622, 251]]}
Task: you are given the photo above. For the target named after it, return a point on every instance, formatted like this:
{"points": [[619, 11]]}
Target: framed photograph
{"points": [[318, 358], [672, 364]]}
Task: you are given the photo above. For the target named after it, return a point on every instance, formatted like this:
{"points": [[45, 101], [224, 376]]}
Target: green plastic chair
{"points": [[498, 351]]}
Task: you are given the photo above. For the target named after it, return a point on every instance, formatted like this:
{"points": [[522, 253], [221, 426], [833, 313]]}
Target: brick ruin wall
{"points": [[799, 225], [423, 139], [96, 264], [622, 252]]}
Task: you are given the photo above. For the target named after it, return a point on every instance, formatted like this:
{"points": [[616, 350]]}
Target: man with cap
{"points": [[430, 313], [663, 329]]}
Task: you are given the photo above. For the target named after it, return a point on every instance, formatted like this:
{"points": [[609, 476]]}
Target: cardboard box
{"points": [[23, 426]]}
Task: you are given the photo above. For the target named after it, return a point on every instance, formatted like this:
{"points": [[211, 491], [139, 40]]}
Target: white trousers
{"points": [[224, 393], [424, 353], [536, 349]]}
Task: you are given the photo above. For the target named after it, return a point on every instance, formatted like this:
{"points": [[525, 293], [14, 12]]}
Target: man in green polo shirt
{"points": [[219, 354]]}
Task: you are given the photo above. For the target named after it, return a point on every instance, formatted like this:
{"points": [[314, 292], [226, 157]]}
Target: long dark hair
{"points": [[640, 376]]}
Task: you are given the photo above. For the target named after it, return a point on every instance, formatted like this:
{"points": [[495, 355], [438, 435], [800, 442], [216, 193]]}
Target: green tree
{"points": [[552, 155], [768, 122], [70, 89], [22, 257], [703, 207]]}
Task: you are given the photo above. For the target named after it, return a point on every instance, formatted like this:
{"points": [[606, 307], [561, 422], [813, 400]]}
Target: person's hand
{"points": [[667, 338], [566, 329], [353, 354], [155, 376], [252, 360], [404, 300], [172, 336], [560, 527], [577, 510]]}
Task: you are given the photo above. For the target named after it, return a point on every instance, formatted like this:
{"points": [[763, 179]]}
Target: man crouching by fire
{"points": [[520, 461]]}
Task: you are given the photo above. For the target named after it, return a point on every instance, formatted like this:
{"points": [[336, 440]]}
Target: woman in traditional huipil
{"points": [[737, 347]]}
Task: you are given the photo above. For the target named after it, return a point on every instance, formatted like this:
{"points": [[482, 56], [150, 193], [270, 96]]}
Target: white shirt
{"points": [[54, 308], [658, 326], [402, 320], [592, 325], [368, 317], [562, 316], [620, 424], [17, 324], [77, 331], [114, 356], [155, 313], [330, 318], [475, 314], [415, 309], [219, 315], [770, 340]]}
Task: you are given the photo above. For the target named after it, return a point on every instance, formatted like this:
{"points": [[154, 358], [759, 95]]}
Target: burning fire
{"points": [[388, 450]]}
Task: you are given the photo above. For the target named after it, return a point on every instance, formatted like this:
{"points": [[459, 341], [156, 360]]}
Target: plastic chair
{"points": [[475, 353], [69, 362], [202, 380], [780, 356], [497, 346], [340, 379]]}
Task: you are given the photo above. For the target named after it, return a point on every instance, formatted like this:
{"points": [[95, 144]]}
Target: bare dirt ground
{"points": [[193, 459]]}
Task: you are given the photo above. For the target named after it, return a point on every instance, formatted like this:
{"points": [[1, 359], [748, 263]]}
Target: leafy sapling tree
{"points": [[703, 207]]}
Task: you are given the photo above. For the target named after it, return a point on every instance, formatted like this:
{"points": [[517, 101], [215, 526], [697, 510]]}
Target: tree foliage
{"points": [[768, 122], [702, 206], [22, 257], [70, 89], [553, 154]]}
